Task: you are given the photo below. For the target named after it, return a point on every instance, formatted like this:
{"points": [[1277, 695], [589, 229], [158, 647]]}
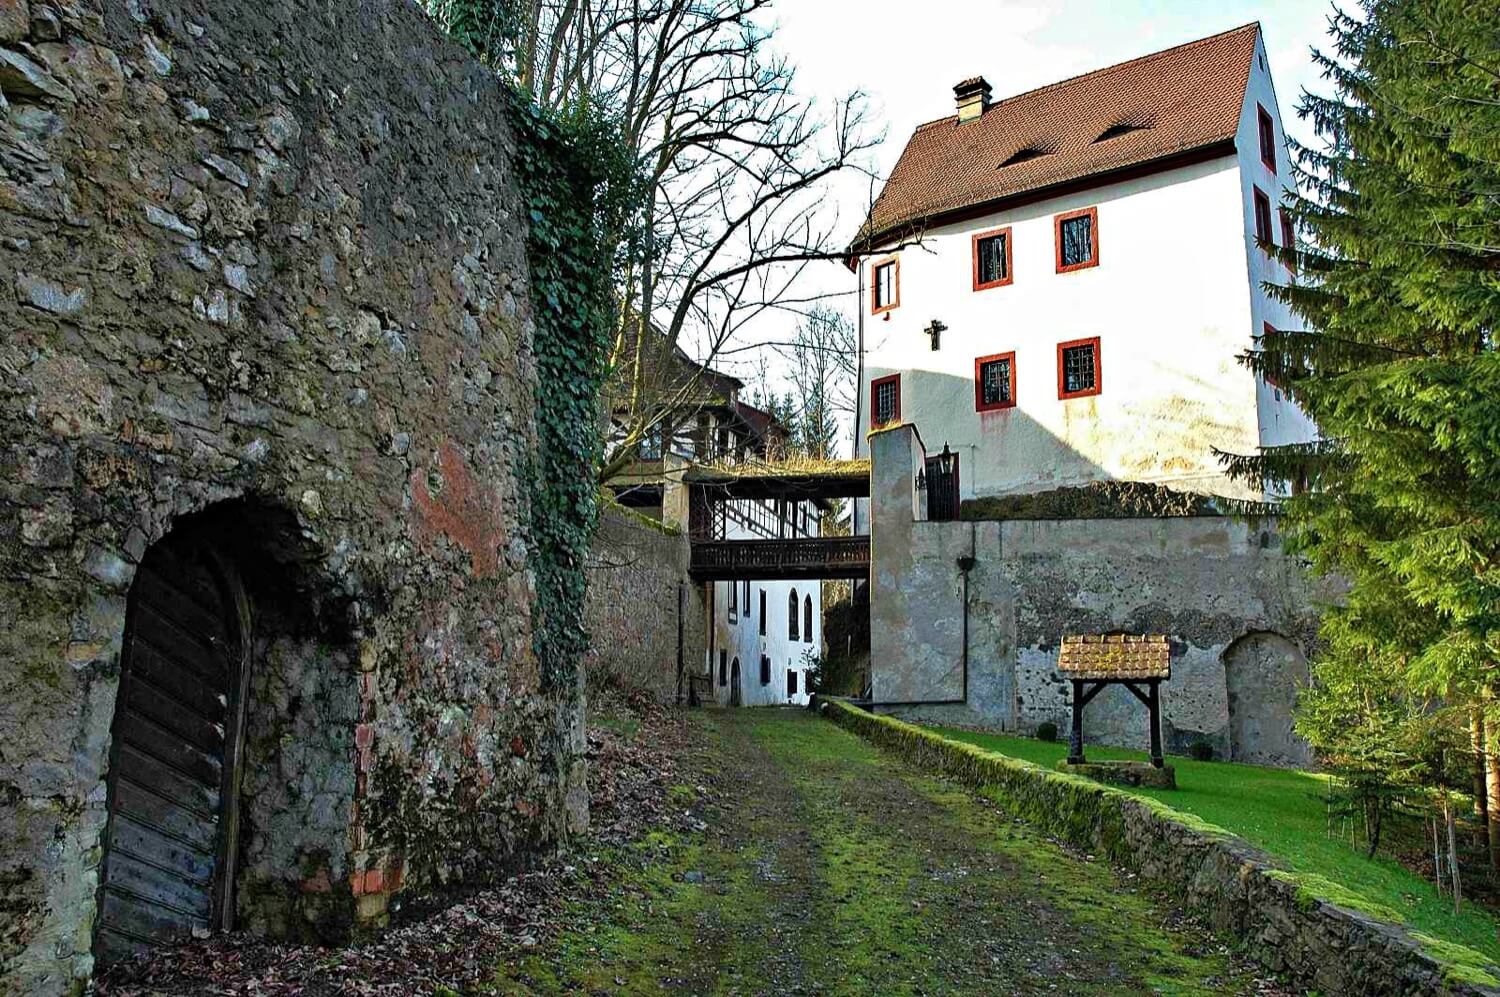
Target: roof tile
{"points": [[1115, 656], [1183, 99]]}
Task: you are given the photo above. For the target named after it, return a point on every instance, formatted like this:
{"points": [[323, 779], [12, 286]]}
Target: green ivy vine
{"points": [[578, 184]]}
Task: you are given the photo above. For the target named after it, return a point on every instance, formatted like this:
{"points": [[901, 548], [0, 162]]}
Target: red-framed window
{"points": [[1269, 329], [885, 401], [1080, 372], [995, 382], [885, 285], [1263, 217], [1266, 130], [1288, 236], [1077, 238], [992, 259]]}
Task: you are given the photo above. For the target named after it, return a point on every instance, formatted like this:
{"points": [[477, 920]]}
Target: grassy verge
{"points": [[1282, 812]]}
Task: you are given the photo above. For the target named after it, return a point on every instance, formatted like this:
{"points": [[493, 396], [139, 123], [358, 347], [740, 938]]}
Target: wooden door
{"points": [[169, 844], [736, 698]]}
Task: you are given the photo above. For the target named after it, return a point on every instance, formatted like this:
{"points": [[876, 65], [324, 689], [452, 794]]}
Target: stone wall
{"points": [[642, 608], [263, 261], [1239, 891], [1240, 612]]}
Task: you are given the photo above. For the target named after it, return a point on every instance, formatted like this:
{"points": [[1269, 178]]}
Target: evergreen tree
{"points": [[1399, 288]]}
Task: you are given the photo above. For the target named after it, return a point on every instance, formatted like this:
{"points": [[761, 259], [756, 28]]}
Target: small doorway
{"points": [[736, 698], [169, 844]]}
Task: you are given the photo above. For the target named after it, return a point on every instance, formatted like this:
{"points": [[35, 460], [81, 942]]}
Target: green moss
{"points": [[1461, 964]]}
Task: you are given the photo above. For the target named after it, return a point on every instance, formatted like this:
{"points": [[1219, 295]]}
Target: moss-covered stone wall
{"points": [[267, 260]]}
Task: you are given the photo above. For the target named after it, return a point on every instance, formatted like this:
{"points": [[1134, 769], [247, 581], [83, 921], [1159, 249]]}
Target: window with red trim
{"points": [[1079, 371], [1077, 237], [885, 286], [1262, 216], [992, 255], [885, 401], [995, 382], [1269, 329], [1267, 131]]}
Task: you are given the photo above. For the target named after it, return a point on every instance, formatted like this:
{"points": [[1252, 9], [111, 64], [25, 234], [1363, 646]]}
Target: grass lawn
{"points": [[1282, 812]]}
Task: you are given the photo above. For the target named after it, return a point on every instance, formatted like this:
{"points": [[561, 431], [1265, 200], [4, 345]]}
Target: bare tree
{"points": [[735, 166], [822, 363]]}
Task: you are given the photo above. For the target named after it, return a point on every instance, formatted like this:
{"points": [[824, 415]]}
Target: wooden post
{"points": [[1075, 737], [1154, 686]]}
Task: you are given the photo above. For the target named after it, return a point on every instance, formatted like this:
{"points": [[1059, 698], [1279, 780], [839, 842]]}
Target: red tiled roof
{"points": [[1180, 100]]}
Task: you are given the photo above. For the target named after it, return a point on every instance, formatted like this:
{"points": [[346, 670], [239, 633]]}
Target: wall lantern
{"points": [[945, 462]]}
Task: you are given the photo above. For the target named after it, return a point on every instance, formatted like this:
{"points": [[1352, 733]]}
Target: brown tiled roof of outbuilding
{"points": [[1181, 100], [1115, 656]]}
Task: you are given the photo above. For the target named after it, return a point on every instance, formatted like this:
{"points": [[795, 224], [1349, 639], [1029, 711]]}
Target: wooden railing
{"points": [[771, 560]]}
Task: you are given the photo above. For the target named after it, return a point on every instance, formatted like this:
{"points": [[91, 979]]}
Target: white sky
{"points": [[906, 55]]}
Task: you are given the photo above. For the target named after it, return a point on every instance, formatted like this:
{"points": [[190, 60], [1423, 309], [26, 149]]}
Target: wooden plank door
{"points": [[169, 842]]}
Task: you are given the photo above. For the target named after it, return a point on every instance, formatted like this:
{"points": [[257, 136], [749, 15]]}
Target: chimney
{"points": [[973, 97]]}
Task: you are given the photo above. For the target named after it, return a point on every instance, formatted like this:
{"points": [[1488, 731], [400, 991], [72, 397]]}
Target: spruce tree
{"points": [[1398, 285]]}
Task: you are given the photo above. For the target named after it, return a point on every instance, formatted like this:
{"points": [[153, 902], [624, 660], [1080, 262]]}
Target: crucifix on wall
{"points": [[936, 330]]}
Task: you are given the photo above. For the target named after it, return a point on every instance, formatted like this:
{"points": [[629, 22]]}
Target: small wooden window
{"points": [[1079, 372], [745, 599], [765, 670], [885, 401], [734, 602], [1263, 217], [1267, 131], [807, 627], [885, 286], [791, 683], [992, 259], [723, 667], [995, 382], [1077, 239], [762, 612], [794, 612]]}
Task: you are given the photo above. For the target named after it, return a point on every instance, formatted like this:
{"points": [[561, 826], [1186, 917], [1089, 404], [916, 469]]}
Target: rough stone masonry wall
{"points": [[638, 591], [1242, 615], [269, 251]]}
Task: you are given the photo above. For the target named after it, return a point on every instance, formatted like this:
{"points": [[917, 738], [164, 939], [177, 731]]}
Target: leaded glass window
{"points": [[1077, 235]]}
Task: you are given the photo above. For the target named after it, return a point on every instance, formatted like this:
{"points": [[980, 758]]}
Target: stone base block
{"points": [[1124, 773]]}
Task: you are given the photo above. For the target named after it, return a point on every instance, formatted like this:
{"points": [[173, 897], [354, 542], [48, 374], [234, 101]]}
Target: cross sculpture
{"points": [[1139, 663], [936, 330]]}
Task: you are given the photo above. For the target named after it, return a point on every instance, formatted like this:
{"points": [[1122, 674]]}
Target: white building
{"points": [[761, 634], [1091, 255]]}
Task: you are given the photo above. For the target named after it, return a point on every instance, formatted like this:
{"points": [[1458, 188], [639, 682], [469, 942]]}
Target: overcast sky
{"points": [[907, 55]]}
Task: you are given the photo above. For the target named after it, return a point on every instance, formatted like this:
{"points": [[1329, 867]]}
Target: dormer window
{"points": [[1077, 240], [1267, 131], [992, 259], [1024, 154], [1115, 131], [885, 290]]}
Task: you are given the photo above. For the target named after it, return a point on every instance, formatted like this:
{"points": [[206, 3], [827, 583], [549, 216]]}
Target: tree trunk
{"points": [[1482, 837], [1492, 786], [1453, 878]]}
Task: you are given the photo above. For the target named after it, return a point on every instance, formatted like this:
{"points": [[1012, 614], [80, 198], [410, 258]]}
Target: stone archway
{"points": [[1263, 674], [231, 783], [170, 845]]}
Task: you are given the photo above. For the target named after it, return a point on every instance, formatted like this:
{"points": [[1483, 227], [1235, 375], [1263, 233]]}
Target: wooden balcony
{"points": [[781, 560]]}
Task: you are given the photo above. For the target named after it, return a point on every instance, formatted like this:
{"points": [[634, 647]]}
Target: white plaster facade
{"points": [[753, 620], [1175, 298]]}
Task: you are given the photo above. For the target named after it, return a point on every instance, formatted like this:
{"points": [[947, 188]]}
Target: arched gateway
{"points": [[170, 841]]}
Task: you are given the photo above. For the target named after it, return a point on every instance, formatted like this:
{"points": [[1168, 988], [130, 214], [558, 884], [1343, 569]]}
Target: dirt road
{"points": [[825, 867]]}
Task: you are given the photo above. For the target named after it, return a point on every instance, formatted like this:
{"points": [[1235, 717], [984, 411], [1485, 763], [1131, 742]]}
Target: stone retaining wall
{"points": [[1238, 889], [640, 607]]}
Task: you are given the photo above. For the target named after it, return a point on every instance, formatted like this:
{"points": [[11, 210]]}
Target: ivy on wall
{"points": [[578, 183]]}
